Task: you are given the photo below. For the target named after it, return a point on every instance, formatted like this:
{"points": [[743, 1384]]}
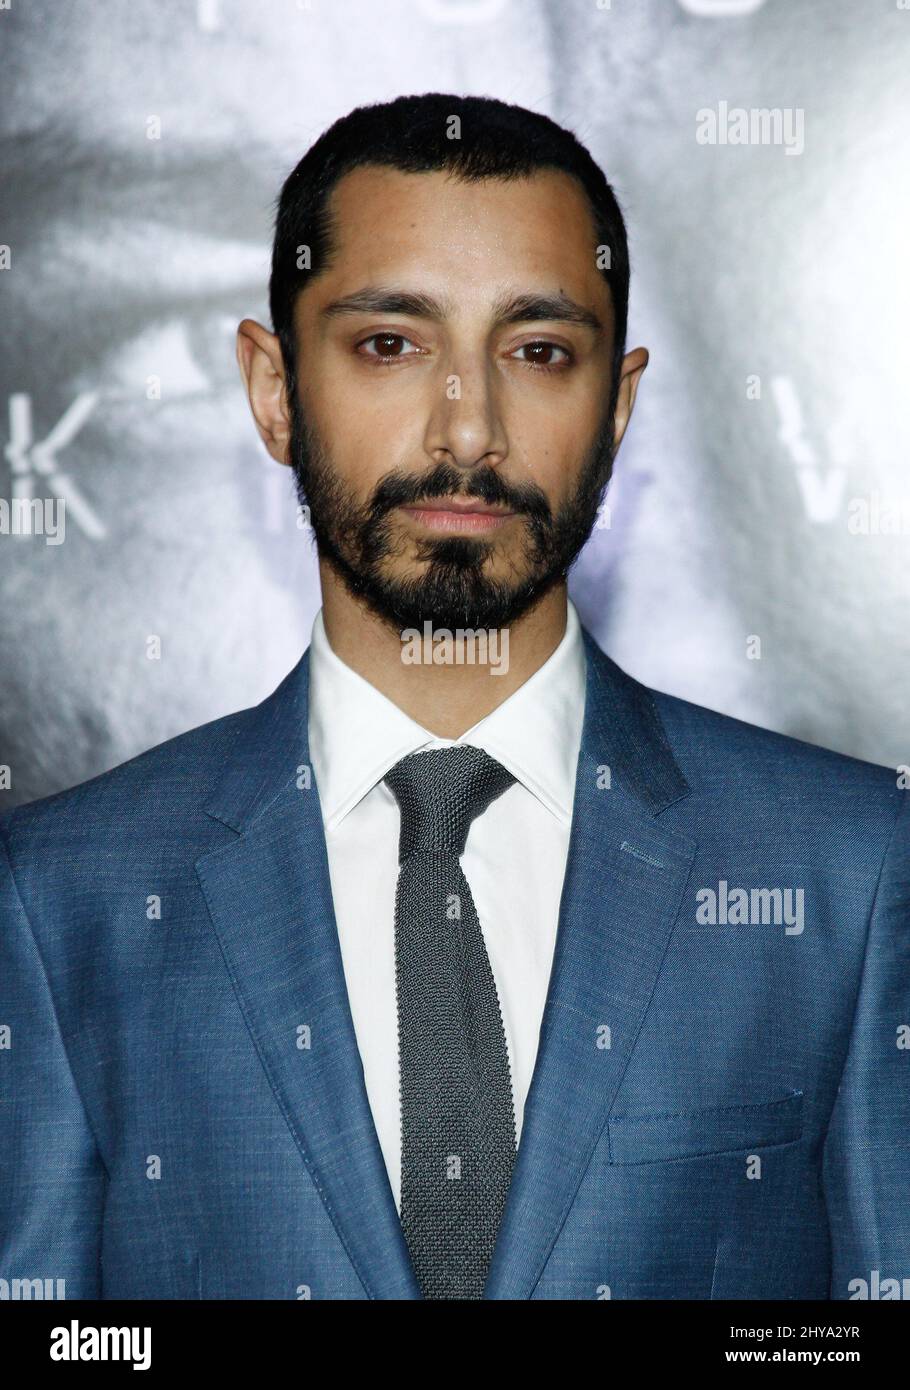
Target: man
{"points": [[464, 965]]}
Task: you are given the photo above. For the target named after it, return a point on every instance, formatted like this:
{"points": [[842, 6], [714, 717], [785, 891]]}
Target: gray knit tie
{"points": [[457, 1117]]}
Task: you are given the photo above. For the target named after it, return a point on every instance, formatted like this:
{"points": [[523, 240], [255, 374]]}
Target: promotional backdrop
{"points": [[754, 555]]}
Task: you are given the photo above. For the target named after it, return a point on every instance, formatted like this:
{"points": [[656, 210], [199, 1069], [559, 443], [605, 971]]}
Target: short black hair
{"points": [[495, 140]]}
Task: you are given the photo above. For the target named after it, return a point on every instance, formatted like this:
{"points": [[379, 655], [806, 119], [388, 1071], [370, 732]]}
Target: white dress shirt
{"points": [[514, 860]]}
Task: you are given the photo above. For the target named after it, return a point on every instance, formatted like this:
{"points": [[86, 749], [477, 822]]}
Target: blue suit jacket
{"points": [[720, 1108]]}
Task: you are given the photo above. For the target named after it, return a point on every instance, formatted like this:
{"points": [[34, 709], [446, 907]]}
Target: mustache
{"points": [[399, 489]]}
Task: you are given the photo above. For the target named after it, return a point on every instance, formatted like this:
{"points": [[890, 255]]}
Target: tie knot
{"points": [[440, 791]]}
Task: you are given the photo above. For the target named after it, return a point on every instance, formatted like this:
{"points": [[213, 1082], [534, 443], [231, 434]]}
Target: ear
{"points": [[633, 364], [262, 368]]}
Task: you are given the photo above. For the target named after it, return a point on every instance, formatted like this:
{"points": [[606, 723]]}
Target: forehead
{"points": [[388, 223]]}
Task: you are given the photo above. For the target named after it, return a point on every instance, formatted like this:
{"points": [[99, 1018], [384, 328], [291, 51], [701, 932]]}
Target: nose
{"points": [[465, 423]]}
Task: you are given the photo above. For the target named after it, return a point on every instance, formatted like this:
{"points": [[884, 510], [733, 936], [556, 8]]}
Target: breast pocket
{"points": [[699, 1133]]}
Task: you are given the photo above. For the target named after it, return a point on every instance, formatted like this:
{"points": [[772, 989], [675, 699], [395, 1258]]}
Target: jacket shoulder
{"points": [[714, 749], [166, 781]]}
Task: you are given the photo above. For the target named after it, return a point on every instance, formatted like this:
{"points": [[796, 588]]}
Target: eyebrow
{"points": [[507, 308]]}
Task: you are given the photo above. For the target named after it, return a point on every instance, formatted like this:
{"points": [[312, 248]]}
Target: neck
{"points": [[448, 698]]}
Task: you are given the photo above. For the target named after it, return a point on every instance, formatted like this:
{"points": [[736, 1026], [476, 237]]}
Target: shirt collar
{"points": [[357, 734]]}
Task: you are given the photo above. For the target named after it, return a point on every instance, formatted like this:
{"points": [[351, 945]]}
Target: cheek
{"points": [[363, 453], [554, 458]]}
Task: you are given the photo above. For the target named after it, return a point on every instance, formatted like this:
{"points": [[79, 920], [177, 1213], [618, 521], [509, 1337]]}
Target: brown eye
{"points": [[541, 354], [389, 346]]}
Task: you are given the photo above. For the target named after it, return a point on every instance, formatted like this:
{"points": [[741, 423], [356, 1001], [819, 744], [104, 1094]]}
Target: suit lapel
{"points": [[269, 896], [625, 876]]}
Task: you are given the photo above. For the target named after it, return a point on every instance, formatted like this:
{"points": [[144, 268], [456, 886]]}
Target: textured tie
{"points": [[457, 1117]]}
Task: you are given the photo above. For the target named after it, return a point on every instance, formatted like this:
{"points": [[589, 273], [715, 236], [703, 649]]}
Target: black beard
{"points": [[452, 591]]}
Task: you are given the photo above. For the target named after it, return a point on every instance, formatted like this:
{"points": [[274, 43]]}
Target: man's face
{"points": [[457, 351]]}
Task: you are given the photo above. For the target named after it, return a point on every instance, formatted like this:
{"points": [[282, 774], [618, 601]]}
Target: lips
{"points": [[458, 514], [460, 504]]}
